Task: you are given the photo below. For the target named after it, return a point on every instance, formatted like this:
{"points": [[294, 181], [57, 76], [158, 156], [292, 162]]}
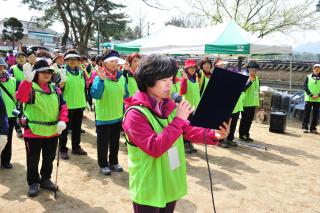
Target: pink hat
{"points": [[190, 63]]}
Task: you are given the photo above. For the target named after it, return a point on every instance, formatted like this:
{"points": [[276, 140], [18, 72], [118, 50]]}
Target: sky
{"points": [[155, 17]]}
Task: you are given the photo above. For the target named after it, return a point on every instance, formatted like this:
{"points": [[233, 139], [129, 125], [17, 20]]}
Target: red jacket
{"points": [[140, 133], [23, 96]]}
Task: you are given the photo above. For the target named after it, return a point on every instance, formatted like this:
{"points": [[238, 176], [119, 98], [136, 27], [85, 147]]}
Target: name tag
{"points": [[173, 158]]}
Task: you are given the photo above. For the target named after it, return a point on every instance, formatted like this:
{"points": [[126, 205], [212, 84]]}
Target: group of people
{"points": [[48, 95]]}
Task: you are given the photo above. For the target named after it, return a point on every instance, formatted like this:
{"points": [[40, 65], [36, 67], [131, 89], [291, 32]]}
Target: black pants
{"points": [[7, 151], [108, 137], [233, 125], [75, 120], [314, 106], [137, 208], [34, 146], [247, 117]]}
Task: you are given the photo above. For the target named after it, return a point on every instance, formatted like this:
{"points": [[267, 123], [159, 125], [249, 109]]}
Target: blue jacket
{"points": [[97, 90], [3, 117]]}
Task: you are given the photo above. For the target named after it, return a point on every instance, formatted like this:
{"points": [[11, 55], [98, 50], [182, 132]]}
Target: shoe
{"points": [[193, 150], [314, 131], [223, 144], [106, 170], [187, 148], [243, 138], [249, 139], [19, 133], [47, 184], [82, 131], [231, 143], [305, 131], [116, 168], [33, 190], [64, 155], [79, 151], [7, 165]]}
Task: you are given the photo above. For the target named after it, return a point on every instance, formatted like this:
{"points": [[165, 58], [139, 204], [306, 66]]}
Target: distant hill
{"points": [[309, 47]]}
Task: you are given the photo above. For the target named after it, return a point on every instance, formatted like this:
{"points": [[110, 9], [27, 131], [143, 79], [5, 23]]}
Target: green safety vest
{"points": [[193, 93], [314, 87], [204, 83], [132, 86], [239, 105], [74, 91], [110, 106], [43, 115], [175, 88], [17, 73], [10, 85], [251, 97], [153, 181]]}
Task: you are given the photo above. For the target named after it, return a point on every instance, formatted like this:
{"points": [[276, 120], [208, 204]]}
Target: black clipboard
{"points": [[219, 98]]}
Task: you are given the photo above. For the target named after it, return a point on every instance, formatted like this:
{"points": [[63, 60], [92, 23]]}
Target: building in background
{"points": [[34, 35]]}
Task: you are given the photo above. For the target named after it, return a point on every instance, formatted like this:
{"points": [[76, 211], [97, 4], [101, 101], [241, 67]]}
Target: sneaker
{"points": [[305, 131], [105, 170], [116, 168], [19, 133], [314, 131], [231, 143], [79, 151], [223, 144], [7, 165], [249, 139], [48, 185], [243, 138], [33, 190], [64, 155]]}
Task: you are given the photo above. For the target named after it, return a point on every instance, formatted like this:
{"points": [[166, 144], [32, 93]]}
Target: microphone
{"points": [[176, 97]]}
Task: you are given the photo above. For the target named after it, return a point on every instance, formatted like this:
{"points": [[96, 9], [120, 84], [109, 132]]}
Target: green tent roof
{"points": [[231, 41]]}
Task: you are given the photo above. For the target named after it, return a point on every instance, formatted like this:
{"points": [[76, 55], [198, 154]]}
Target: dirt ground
{"points": [[282, 179]]}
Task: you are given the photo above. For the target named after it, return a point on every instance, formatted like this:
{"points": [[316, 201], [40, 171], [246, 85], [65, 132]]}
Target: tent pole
{"points": [[291, 58]]}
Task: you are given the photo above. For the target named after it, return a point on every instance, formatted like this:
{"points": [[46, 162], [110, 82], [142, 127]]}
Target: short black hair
{"points": [[152, 68], [205, 60], [31, 52]]}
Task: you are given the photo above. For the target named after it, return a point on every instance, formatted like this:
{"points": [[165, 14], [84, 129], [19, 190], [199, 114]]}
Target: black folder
{"points": [[219, 98]]}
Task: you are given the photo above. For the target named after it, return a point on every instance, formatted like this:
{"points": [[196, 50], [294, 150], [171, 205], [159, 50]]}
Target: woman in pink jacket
{"points": [[155, 128]]}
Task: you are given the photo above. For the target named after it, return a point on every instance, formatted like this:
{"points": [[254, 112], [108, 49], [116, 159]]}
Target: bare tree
{"points": [[186, 21], [261, 16]]}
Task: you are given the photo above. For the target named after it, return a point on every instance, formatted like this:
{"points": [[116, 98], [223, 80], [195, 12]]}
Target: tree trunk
{"points": [[12, 39], [65, 22]]}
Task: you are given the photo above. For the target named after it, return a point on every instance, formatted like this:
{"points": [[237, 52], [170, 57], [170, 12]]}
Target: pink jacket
{"points": [[140, 133], [23, 96]]}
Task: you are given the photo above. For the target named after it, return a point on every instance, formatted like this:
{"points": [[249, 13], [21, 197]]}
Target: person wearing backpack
{"points": [[45, 115]]}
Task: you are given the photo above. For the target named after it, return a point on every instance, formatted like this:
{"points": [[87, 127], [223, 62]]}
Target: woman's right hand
{"points": [[184, 109], [101, 74]]}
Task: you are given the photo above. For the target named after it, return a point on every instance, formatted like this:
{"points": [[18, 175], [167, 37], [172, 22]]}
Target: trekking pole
{"points": [[57, 170]]}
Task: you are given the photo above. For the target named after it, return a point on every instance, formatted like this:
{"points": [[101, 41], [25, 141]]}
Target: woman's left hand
{"points": [[223, 130]]}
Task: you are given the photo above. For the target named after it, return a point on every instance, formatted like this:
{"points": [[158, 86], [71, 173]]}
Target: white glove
{"points": [[61, 126], [63, 75], [3, 142], [28, 73]]}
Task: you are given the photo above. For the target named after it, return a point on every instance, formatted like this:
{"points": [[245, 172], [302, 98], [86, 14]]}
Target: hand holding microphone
{"points": [[184, 109]]}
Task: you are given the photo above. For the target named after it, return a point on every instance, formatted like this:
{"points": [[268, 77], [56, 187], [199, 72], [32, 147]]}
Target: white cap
{"points": [[120, 60], [316, 65]]}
